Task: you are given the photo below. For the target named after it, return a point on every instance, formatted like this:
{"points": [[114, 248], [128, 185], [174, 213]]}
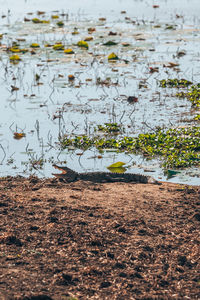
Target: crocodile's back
{"points": [[113, 177], [69, 175]]}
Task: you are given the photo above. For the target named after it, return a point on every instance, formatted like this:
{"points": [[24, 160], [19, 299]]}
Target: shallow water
{"points": [[55, 106]]}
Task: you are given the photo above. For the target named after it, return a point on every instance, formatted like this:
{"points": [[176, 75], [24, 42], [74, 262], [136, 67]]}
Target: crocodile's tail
{"points": [[67, 173]]}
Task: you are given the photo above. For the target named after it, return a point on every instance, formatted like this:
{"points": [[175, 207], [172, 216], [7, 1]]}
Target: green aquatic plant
{"points": [[68, 51], [60, 24], [83, 44], [177, 83], [55, 17], [16, 49], [193, 95], [58, 47], [197, 118], [15, 58], [110, 43], [177, 148], [35, 45], [113, 56], [110, 128], [38, 21]]}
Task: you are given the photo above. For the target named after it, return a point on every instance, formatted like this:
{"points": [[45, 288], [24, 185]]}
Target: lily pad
{"points": [[113, 56], [120, 170], [118, 164], [83, 44]]}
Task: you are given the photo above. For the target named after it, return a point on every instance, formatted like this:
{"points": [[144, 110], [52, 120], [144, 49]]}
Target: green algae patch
{"points": [[83, 44], [176, 148]]}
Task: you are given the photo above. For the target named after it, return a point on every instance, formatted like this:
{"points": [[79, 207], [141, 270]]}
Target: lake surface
{"points": [[38, 100]]}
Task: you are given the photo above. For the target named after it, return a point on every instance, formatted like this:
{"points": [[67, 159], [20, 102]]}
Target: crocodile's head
{"points": [[66, 173]]}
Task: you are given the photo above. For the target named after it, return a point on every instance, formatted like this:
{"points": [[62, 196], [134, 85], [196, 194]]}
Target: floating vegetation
{"points": [[60, 24], [193, 95], [110, 128], [125, 44], [71, 93], [75, 32], [38, 21], [91, 30], [68, 51], [35, 45], [177, 148], [117, 167], [14, 50], [18, 135], [55, 17], [58, 47], [110, 43], [83, 44], [177, 83], [71, 77], [88, 39], [113, 56], [170, 27], [15, 58]]}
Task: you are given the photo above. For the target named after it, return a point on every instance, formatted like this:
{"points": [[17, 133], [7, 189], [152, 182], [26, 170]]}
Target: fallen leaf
{"points": [[118, 164], [18, 135]]}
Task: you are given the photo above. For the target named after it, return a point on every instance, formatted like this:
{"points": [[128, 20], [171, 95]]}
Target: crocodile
{"points": [[68, 175]]}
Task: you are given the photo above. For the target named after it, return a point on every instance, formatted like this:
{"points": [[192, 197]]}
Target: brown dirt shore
{"points": [[98, 241]]}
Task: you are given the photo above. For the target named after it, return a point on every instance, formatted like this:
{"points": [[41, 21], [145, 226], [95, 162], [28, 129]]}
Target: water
{"points": [[53, 106]]}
